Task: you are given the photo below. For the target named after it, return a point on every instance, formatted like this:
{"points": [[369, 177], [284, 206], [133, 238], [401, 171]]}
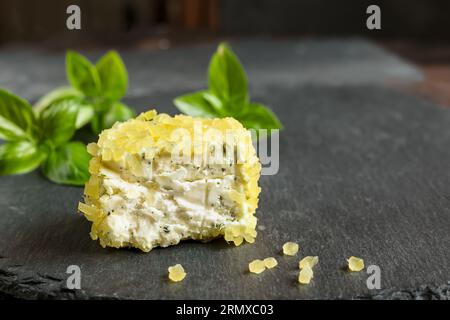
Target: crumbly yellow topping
{"points": [[270, 262], [256, 266], [355, 264], [305, 275], [237, 234], [290, 248], [176, 273], [150, 135], [308, 261]]}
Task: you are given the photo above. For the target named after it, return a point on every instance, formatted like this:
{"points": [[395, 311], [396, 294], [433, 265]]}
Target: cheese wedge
{"points": [[156, 180]]}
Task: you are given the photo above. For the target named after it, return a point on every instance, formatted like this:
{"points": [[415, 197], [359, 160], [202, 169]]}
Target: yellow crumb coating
{"points": [[238, 233], [308, 261], [176, 273], [305, 275], [256, 266], [127, 146], [270, 262], [355, 264], [290, 248]]}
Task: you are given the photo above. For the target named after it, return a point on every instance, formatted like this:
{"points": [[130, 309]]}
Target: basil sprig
{"points": [[41, 136], [227, 95], [95, 90], [42, 139]]}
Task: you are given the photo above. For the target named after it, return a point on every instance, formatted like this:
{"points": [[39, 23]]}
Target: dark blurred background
{"points": [[417, 30], [136, 22]]}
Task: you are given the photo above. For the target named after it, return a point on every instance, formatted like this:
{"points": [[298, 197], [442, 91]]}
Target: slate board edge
{"points": [[29, 285]]}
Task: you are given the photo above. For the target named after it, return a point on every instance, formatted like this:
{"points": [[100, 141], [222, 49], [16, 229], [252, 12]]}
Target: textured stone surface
{"points": [[424, 292], [364, 171]]}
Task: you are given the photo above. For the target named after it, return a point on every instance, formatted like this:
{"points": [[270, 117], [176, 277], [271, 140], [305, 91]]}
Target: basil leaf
{"points": [[113, 76], [19, 157], [57, 122], [227, 95], [259, 116], [17, 120], [227, 78], [85, 114], [56, 95], [215, 102], [68, 164], [105, 120], [195, 105], [118, 112], [82, 75]]}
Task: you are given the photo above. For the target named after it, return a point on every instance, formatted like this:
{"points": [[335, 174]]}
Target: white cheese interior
{"points": [[169, 202]]}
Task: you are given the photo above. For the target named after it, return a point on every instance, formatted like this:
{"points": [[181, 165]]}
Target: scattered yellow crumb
{"points": [[305, 275], [257, 266], [355, 264], [309, 261], [270, 262], [290, 248], [176, 273]]}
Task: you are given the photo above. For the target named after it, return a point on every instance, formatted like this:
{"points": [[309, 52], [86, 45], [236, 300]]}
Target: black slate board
{"points": [[364, 170]]}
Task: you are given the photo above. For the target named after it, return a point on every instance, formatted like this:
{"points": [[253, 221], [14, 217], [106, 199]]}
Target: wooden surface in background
{"points": [[31, 21], [433, 59]]}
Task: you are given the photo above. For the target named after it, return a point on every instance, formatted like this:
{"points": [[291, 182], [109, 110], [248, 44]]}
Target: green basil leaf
{"points": [[56, 95], [19, 157], [117, 113], [105, 120], [85, 114], [259, 116], [195, 105], [68, 164], [17, 120], [82, 75], [227, 78], [85, 109], [215, 102], [113, 76], [57, 122]]}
